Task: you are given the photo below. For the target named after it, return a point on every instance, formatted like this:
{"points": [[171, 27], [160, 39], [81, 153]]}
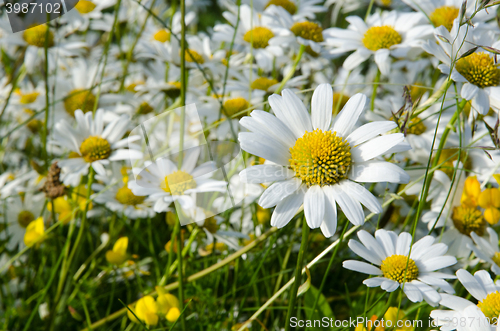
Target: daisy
{"points": [[478, 71], [487, 250], [481, 316], [299, 9], [383, 35], [399, 263], [162, 182], [92, 144], [318, 159]]}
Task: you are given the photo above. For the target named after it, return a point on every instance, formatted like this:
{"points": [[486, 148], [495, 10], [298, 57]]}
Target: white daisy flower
{"points": [[478, 71], [318, 159], [163, 182], [299, 9], [480, 317], [399, 263], [92, 144], [487, 250], [383, 35]]}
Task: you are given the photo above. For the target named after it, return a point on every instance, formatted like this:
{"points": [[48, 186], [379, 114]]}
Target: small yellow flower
{"points": [[489, 199], [168, 305], [146, 309], [119, 253], [63, 208], [470, 194], [34, 231]]}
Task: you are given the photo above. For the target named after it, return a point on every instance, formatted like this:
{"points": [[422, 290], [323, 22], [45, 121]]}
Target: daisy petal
{"points": [[362, 267], [286, 209], [314, 206], [348, 116], [471, 284], [321, 107]]}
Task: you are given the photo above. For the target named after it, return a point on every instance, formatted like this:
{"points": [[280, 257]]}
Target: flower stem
{"points": [[180, 272], [374, 91], [298, 274], [291, 72]]}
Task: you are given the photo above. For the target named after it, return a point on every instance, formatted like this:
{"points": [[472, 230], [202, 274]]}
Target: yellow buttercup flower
{"points": [[489, 199], [146, 309], [62, 208], [471, 192], [168, 305], [119, 253], [34, 231]]}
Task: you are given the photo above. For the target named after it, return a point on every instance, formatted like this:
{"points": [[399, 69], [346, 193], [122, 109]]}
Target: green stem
{"points": [[298, 275], [179, 270], [374, 91], [369, 10], [292, 72]]}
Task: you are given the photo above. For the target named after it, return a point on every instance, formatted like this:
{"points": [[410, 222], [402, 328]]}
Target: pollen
{"points": [[125, 196], [320, 158], [399, 268], [234, 106], [95, 148], [378, 37], [308, 30], [85, 6], [263, 83], [79, 99], [178, 182], [28, 98], [162, 36], [479, 69], [468, 219], [444, 16], [259, 37], [490, 306], [193, 56], [37, 36], [25, 217], [288, 5]]}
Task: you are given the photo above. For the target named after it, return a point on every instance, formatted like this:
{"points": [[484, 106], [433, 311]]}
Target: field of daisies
{"points": [[237, 165]]}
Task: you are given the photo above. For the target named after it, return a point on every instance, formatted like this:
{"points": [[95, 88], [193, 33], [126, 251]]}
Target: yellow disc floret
{"points": [[468, 219], [37, 36], [288, 5], [85, 6], [308, 30], [444, 16], [234, 106], [162, 36], [399, 268], [490, 306], [479, 69], [259, 37], [79, 99], [125, 196], [95, 148], [25, 217], [378, 37], [320, 158], [263, 83], [193, 56], [178, 182]]}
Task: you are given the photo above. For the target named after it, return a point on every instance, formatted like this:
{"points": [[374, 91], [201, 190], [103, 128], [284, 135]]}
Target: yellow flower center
{"points": [[234, 106], [145, 108], [320, 158], [308, 30], [162, 36], [85, 6], [288, 5], [194, 56], [79, 99], [25, 217], [263, 215], [36, 36], [496, 258], [178, 182], [386, 3], [339, 101], [399, 268], [378, 37], [211, 224], [479, 69], [263, 83], [416, 126], [468, 219], [95, 148], [490, 306], [259, 37], [125, 196], [29, 98], [444, 16]]}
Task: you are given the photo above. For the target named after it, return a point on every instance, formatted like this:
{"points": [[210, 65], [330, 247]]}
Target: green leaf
{"points": [[322, 309]]}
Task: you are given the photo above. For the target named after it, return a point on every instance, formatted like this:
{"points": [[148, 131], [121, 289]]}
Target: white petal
{"points": [[329, 225], [314, 206], [278, 191], [383, 61], [371, 244], [369, 131], [361, 250], [438, 262], [412, 292], [375, 147], [348, 116], [265, 173], [389, 285], [374, 282], [403, 244], [454, 302], [296, 113], [387, 240], [321, 107], [471, 284], [268, 125], [356, 58], [352, 209], [469, 91], [362, 267], [378, 171], [270, 150], [430, 295], [358, 192], [481, 103], [484, 278], [286, 209]]}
